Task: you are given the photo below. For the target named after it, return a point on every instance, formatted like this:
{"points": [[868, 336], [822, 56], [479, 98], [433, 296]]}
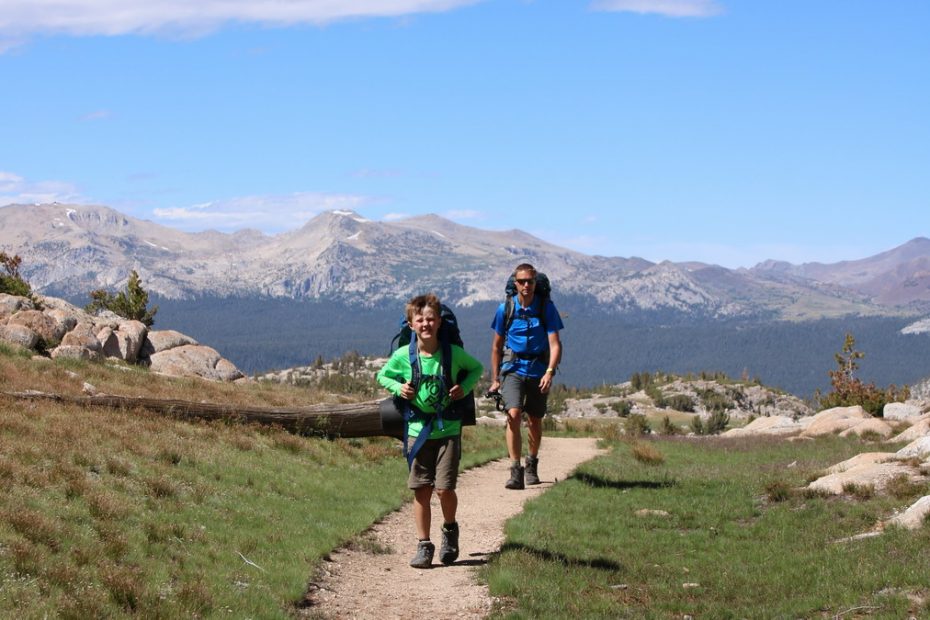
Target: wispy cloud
{"points": [[96, 115], [16, 189], [20, 18], [269, 214], [669, 8]]}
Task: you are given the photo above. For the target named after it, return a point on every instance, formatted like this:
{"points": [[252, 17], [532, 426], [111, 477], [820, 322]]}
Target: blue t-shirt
{"points": [[527, 336]]}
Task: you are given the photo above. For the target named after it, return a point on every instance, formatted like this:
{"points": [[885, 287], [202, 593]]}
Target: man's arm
{"points": [[497, 351], [555, 356]]}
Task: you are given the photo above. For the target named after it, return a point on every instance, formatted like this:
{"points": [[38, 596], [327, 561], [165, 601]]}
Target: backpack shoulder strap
{"points": [[509, 307], [414, 358]]}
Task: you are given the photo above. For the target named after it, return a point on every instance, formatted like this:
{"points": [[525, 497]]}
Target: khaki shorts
{"points": [[436, 464], [523, 393]]}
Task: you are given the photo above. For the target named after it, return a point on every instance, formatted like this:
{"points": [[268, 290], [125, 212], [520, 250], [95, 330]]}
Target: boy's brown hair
{"points": [[525, 267], [416, 305]]}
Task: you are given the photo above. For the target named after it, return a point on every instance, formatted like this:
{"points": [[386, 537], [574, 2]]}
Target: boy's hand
{"points": [[407, 392], [495, 386], [456, 392]]}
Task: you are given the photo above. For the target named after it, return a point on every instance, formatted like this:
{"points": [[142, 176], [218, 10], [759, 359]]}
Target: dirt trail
{"points": [[358, 584]]}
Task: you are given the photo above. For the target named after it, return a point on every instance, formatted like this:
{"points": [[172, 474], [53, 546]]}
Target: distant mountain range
{"points": [[341, 256]]}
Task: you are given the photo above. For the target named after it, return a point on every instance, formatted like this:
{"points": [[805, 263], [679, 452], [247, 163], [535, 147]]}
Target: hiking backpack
{"points": [[543, 292], [462, 409]]}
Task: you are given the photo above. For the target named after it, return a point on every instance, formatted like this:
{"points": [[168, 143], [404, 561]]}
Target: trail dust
{"points": [[356, 583]]}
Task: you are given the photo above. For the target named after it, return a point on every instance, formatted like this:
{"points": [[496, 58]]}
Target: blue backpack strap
{"points": [[416, 374]]}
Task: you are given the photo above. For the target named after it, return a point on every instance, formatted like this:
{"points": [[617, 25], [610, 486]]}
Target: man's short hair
{"points": [[416, 305], [525, 267]]}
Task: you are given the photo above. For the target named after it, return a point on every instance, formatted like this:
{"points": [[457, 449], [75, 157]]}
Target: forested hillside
{"points": [[265, 334]]}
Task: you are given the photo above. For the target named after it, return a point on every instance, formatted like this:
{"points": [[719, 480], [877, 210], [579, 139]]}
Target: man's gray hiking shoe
{"points": [[424, 556], [516, 478], [449, 549], [532, 477]]}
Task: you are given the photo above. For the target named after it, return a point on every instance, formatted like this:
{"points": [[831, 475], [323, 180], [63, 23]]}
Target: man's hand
{"points": [[456, 392], [545, 383], [495, 386]]}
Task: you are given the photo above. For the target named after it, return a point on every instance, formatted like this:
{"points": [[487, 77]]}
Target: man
{"points": [[524, 358]]}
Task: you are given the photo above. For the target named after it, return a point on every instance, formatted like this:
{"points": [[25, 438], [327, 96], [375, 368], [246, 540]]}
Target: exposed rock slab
{"points": [[914, 517], [834, 420], [876, 475]]}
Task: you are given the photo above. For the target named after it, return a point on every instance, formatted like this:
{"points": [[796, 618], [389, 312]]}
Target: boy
{"points": [[436, 463]]}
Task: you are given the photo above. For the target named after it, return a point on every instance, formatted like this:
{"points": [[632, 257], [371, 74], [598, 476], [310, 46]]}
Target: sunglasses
{"points": [[525, 280]]}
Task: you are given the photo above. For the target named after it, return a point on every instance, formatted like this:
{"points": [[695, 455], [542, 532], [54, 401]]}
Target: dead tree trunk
{"points": [[368, 419]]}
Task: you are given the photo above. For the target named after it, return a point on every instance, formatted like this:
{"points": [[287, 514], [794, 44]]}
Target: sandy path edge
{"points": [[357, 584]]}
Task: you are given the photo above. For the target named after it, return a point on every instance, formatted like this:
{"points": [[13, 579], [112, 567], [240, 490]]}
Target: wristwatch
{"points": [[550, 370]]}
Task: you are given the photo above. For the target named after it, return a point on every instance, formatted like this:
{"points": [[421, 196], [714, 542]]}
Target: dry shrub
{"points": [[902, 487], [105, 506], [859, 491], [809, 493], [34, 526], [114, 540], [243, 442], [777, 491], [172, 454], [376, 451], [89, 603], [63, 575], [126, 586], [118, 467], [288, 442], [28, 559], [196, 596], [162, 487], [647, 453]]}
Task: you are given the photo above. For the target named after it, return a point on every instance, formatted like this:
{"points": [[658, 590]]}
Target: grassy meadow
{"points": [[725, 532], [107, 513]]}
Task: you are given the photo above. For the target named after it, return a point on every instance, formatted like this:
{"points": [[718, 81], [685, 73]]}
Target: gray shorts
{"points": [[523, 393], [436, 464]]}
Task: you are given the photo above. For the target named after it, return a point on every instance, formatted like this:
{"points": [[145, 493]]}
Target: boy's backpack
{"points": [[462, 409], [448, 330]]}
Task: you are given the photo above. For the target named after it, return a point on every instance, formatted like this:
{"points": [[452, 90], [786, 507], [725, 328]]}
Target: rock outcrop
{"points": [[61, 330]]}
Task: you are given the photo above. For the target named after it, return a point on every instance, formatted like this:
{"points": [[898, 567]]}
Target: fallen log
{"points": [[367, 419]]}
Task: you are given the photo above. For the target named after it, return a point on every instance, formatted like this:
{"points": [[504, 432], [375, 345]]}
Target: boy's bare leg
{"points": [[514, 438], [449, 502], [421, 511]]}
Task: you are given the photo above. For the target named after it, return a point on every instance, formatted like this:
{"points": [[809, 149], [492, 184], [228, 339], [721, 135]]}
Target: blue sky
{"points": [[725, 131]]}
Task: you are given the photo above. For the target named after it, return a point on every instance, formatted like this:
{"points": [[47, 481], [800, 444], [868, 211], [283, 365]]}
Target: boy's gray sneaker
{"points": [[449, 549], [516, 478], [424, 556], [532, 477]]}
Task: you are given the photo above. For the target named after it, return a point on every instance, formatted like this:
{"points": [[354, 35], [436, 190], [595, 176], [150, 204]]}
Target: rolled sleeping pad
{"points": [[392, 418]]}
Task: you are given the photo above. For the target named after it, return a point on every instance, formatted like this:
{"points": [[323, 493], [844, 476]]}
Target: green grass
{"points": [[109, 513], [736, 527]]}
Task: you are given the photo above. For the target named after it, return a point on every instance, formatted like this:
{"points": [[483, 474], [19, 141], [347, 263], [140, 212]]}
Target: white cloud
{"points": [[15, 189], [19, 18], [266, 213], [669, 8]]}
